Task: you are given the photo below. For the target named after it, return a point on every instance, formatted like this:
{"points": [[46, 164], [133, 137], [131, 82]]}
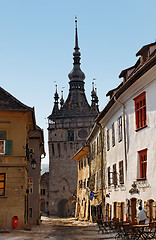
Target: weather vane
{"points": [[76, 21]]}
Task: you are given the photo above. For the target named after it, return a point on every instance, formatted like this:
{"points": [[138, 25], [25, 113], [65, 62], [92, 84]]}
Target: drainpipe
{"points": [[124, 122], [102, 165]]}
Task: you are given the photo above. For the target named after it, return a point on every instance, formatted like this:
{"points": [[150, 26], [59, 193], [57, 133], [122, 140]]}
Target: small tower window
{"points": [[70, 135]]}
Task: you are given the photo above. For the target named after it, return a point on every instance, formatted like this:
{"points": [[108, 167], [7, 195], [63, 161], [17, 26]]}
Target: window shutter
{"points": [[8, 147], [3, 135]]}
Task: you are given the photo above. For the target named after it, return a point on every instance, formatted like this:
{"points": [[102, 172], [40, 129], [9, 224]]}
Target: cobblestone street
{"points": [[58, 229]]}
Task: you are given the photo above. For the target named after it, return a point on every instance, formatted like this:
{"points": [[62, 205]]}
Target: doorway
{"points": [[61, 208], [133, 209]]}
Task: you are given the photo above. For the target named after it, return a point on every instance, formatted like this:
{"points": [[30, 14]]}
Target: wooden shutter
{"points": [[3, 135], [8, 147]]}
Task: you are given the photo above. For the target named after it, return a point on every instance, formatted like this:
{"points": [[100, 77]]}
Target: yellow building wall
{"points": [[15, 168]]}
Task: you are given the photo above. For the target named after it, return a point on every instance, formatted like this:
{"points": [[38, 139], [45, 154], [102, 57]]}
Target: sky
{"points": [[37, 40]]}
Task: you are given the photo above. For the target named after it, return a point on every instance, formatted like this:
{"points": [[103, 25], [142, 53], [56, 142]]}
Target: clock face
{"points": [[82, 134]]}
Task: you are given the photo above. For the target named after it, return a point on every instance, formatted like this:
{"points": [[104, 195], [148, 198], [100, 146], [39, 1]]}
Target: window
{"points": [[65, 147], [97, 145], [70, 135], [85, 183], [108, 147], [114, 175], [120, 128], [88, 159], [93, 150], [121, 173], [109, 181], [43, 191], [142, 171], [30, 212], [5, 145], [84, 161], [100, 145], [30, 185], [59, 150], [80, 184], [2, 184], [2, 147], [53, 150], [140, 111], [113, 135], [81, 163]]}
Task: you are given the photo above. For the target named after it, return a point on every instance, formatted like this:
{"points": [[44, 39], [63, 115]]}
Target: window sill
{"points": [[140, 128], [141, 179]]}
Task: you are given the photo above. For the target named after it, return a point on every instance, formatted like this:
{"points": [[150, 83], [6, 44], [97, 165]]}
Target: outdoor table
{"points": [[141, 232]]}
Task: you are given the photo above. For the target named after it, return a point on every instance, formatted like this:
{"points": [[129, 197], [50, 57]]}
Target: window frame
{"points": [[140, 111], [142, 173], [115, 181], [30, 185], [2, 143], [84, 161], [121, 172], [113, 135], [4, 182], [120, 128], [109, 176], [7, 144], [81, 163], [108, 140], [71, 135]]}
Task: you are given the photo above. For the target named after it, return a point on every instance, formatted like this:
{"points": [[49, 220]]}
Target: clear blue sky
{"points": [[37, 41]]}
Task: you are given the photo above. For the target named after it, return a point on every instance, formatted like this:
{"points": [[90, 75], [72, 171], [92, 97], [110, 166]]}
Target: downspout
{"points": [[102, 166], [90, 177], [124, 122]]}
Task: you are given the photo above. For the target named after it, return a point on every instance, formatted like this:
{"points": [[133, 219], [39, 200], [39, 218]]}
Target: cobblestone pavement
{"points": [[58, 229]]}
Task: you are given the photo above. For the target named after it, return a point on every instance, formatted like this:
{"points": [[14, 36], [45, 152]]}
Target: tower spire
{"points": [[94, 105], [76, 76], [56, 98], [76, 35]]}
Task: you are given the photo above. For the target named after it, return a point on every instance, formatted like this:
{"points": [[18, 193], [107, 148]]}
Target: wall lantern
{"points": [[134, 189], [108, 195], [33, 164]]}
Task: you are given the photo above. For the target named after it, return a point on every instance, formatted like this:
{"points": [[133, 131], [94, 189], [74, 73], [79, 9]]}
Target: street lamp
{"points": [[33, 164]]}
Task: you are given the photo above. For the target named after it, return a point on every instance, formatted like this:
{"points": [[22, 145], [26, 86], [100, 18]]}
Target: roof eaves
{"points": [[142, 70]]}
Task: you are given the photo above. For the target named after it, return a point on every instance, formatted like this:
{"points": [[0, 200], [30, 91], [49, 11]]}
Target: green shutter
{"points": [[3, 135], [8, 147]]}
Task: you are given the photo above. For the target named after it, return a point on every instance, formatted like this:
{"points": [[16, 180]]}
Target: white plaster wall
{"points": [[145, 138]]}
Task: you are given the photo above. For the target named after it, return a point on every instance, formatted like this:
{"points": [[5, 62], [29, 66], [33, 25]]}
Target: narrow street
{"points": [[58, 229]]}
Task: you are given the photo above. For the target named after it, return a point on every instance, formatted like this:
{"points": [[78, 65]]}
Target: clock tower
{"points": [[69, 125]]}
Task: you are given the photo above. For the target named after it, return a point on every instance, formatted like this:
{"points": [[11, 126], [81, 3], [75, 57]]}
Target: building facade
{"points": [[16, 120], [129, 125], [45, 193], [36, 153], [97, 171], [69, 125], [82, 210]]}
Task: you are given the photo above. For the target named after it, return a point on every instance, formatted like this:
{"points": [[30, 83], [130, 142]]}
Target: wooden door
{"points": [[133, 209]]}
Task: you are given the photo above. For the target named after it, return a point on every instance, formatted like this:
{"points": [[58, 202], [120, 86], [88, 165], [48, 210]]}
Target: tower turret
{"points": [[56, 107], [95, 100], [61, 100]]}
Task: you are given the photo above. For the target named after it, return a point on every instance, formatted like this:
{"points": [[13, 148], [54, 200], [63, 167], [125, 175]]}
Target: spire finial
{"points": [[76, 35], [75, 21], [56, 87]]}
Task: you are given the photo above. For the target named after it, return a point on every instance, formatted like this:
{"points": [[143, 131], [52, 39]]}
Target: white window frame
{"points": [[2, 152]]}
